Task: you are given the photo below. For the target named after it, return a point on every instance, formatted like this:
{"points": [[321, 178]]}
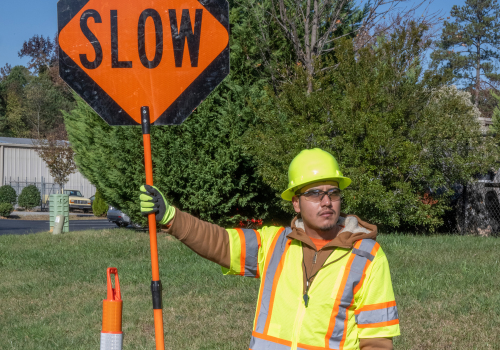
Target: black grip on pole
{"points": [[156, 289], [146, 124]]}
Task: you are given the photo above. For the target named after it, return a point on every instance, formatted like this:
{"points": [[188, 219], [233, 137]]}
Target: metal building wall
{"points": [[20, 162]]}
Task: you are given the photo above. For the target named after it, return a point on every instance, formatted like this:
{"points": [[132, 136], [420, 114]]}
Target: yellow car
{"points": [[78, 201]]}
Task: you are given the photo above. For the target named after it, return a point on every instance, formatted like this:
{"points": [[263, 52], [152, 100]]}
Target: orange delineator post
{"points": [[111, 333], [156, 288]]}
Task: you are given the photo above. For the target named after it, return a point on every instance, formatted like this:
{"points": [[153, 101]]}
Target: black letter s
{"points": [[92, 38]]}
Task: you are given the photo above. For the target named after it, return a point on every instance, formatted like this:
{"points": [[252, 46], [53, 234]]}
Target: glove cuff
{"points": [[169, 215]]}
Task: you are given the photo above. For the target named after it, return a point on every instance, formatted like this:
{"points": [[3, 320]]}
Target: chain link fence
{"points": [[45, 188], [476, 209]]}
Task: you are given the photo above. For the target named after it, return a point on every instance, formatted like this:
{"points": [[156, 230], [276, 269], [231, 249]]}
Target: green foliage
{"points": [[468, 49], [403, 141], [30, 105], [29, 197], [6, 209], [198, 165], [8, 195], [99, 205]]}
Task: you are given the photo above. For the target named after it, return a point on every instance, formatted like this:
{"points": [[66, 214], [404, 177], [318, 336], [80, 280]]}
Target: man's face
{"points": [[318, 215]]}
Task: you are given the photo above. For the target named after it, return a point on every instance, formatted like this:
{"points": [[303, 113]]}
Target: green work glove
{"points": [[153, 201]]}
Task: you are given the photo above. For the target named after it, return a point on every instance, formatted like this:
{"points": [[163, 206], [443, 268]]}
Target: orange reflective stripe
{"points": [[379, 324], [257, 234], [339, 296], [243, 251], [275, 285], [373, 252], [272, 339], [268, 260], [376, 306], [353, 277], [309, 347]]}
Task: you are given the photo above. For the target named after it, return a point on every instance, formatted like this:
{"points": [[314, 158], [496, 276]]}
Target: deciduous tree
{"points": [[57, 153]]}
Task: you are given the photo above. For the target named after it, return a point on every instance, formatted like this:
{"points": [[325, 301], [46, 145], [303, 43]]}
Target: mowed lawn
{"points": [[52, 287]]}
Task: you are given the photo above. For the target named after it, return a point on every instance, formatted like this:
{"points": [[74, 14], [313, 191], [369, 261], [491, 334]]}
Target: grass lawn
{"points": [[51, 288]]}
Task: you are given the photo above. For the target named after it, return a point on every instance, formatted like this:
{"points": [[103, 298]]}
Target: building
{"points": [[485, 124], [21, 166]]}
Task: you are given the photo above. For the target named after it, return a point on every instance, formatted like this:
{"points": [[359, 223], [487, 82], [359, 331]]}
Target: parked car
{"points": [[78, 201], [120, 218], [92, 199]]}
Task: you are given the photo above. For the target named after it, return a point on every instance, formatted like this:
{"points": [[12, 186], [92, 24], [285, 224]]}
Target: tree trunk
{"points": [[478, 74]]}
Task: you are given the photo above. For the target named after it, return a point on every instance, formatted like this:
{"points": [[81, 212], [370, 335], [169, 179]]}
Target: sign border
{"points": [[105, 105]]}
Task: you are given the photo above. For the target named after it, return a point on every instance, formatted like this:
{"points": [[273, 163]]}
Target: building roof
{"points": [[16, 141], [20, 142]]}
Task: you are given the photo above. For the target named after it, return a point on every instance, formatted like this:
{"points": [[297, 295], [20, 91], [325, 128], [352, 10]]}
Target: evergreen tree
{"points": [[468, 49]]}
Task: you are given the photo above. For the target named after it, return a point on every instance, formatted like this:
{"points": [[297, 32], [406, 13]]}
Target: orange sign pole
{"points": [[156, 288]]}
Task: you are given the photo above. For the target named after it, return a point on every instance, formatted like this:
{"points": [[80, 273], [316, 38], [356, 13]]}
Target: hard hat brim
{"points": [[290, 192]]}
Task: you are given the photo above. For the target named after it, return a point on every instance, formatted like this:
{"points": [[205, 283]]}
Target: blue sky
{"points": [[21, 19]]}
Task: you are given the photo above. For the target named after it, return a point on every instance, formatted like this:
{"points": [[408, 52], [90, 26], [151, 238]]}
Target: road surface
{"points": [[24, 227]]}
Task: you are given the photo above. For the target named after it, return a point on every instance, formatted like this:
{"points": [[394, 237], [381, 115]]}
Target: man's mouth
{"points": [[326, 213]]}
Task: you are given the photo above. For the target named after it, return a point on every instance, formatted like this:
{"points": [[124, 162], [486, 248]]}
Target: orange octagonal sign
{"points": [[121, 55]]}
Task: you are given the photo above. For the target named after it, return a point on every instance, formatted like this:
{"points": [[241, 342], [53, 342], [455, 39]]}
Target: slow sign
{"points": [[121, 55]]}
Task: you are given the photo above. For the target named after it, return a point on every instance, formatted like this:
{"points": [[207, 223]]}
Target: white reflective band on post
{"points": [[111, 341]]}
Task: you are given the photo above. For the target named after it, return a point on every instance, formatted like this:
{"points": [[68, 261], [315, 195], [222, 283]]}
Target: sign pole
{"points": [[156, 288]]}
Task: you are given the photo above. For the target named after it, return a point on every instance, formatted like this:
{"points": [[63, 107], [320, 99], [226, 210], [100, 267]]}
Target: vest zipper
{"points": [[315, 256]]}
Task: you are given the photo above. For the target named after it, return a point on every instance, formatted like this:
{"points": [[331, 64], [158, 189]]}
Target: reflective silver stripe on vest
{"points": [[355, 275], [376, 316], [267, 287], [261, 344], [251, 252]]}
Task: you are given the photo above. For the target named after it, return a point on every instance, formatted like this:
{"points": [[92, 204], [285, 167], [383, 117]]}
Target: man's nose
{"points": [[326, 201]]}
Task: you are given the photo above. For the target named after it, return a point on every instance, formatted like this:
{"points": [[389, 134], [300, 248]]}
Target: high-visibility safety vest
{"points": [[349, 299]]}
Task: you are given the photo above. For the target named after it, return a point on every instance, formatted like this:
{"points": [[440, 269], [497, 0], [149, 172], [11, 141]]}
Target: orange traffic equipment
{"points": [[156, 287], [111, 334]]}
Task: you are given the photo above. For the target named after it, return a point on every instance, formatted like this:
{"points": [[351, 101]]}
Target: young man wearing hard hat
{"points": [[325, 281]]}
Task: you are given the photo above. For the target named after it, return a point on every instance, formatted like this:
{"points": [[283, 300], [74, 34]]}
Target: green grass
{"points": [[52, 287]]}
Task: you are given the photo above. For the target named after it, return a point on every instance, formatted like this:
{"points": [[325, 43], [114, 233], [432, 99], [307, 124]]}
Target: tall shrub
{"points": [[404, 141], [29, 197], [99, 206], [198, 165], [8, 195]]}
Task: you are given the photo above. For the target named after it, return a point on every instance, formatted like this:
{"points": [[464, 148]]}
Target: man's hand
{"points": [[153, 201]]}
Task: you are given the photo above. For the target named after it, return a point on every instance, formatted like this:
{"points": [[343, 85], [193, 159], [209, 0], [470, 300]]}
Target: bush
{"points": [[8, 195], [197, 165], [29, 197], [99, 206], [403, 140], [6, 209]]}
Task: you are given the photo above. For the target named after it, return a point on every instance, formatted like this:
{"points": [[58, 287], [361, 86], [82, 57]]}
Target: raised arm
{"points": [[207, 240]]}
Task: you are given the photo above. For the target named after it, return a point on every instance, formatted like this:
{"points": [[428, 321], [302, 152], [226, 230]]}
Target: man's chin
{"points": [[327, 227]]}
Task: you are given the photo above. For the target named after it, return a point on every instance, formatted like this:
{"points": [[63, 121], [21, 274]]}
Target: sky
{"points": [[21, 19]]}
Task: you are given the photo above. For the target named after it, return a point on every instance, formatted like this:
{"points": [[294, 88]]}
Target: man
{"points": [[325, 282]]}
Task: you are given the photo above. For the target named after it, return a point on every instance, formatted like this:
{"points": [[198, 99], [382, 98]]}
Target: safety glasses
{"points": [[318, 195]]}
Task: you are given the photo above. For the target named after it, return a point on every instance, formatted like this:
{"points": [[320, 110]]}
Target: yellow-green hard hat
{"points": [[313, 165]]}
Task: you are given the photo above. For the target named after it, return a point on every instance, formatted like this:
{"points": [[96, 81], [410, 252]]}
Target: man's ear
{"points": [[296, 204]]}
